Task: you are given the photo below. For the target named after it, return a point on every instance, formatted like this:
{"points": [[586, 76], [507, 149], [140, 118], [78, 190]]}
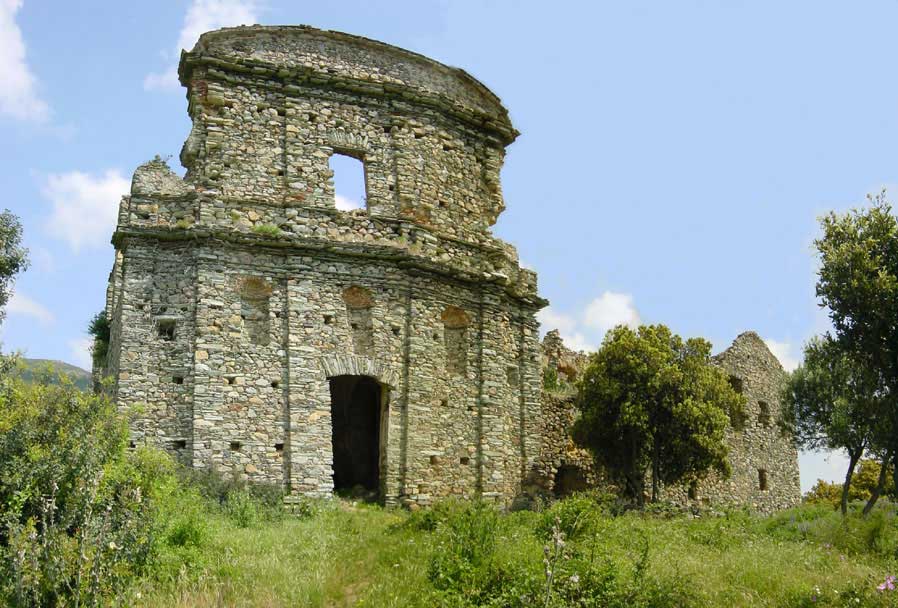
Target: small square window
{"points": [[279, 447], [178, 379], [235, 446], [464, 460], [166, 329], [275, 384], [736, 383], [180, 444], [328, 319]]}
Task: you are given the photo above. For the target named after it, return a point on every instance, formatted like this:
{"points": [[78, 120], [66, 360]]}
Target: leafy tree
{"points": [[858, 282], [829, 403], [653, 404], [13, 257]]}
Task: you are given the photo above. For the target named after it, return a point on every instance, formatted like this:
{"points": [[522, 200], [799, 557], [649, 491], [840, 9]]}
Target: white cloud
{"points": [[202, 16], [347, 204], [18, 86], [567, 329], [784, 351], [80, 352], [20, 304], [85, 207], [610, 310]]}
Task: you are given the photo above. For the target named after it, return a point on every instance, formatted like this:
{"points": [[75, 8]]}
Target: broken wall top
{"points": [[303, 54]]}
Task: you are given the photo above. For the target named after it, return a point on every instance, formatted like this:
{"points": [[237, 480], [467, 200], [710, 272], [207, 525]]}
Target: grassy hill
{"points": [[50, 370]]}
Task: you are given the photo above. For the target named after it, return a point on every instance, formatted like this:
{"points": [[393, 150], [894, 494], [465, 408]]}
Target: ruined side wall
{"points": [[756, 442]]}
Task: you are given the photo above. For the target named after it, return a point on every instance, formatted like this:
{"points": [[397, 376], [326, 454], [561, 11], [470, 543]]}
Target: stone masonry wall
{"points": [[240, 292], [764, 461]]}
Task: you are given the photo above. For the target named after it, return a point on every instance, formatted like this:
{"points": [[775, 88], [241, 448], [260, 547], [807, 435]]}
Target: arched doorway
{"points": [[356, 408]]}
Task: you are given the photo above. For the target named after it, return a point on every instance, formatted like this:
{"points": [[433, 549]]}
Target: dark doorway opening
{"points": [[356, 412], [569, 479]]}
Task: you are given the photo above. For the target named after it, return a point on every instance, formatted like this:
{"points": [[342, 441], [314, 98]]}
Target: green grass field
{"points": [[347, 554]]}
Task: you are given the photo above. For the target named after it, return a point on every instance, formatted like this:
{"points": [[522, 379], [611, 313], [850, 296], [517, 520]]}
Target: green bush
{"points": [[77, 511], [575, 516], [466, 544], [269, 230]]}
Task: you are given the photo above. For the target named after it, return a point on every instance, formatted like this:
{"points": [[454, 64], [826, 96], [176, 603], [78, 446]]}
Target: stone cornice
{"points": [[306, 245]]}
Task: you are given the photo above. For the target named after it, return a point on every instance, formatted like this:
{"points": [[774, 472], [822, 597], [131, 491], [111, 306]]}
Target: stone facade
{"points": [[764, 461], [265, 332], [258, 330]]}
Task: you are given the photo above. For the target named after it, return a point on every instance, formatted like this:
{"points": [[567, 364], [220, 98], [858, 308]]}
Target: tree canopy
{"points": [[858, 283], [831, 402], [13, 257], [652, 403]]}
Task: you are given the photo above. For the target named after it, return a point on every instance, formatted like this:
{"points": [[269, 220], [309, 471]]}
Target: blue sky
{"points": [[673, 160]]}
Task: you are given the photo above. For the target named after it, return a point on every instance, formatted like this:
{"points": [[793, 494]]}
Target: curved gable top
{"points": [[302, 53]]}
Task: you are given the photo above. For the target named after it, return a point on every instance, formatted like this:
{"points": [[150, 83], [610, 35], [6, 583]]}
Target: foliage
{"points": [[13, 257], [862, 486], [77, 512], [652, 402], [269, 230], [832, 401], [858, 283], [99, 330]]}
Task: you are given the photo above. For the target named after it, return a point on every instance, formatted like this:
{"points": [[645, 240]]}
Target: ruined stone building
{"points": [[265, 332], [764, 460]]}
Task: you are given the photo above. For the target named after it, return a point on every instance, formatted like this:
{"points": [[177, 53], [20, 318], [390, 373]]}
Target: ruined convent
{"points": [[265, 332]]}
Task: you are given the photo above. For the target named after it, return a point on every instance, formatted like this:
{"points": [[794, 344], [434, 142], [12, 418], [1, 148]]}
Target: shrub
{"points": [[99, 329], [269, 230], [77, 512], [575, 516], [466, 544]]}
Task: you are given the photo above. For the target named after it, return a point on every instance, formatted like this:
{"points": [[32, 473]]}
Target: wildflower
{"points": [[575, 578], [889, 585], [112, 546]]}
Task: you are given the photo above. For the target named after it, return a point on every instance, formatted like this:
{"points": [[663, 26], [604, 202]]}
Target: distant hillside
{"points": [[81, 378]]}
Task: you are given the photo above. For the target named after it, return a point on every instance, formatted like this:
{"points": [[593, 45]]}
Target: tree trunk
{"points": [[880, 484], [853, 457], [656, 471]]}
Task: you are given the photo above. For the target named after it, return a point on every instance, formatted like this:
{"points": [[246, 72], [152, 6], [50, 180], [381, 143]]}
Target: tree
{"points": [[858, 282], [13, 257], [829, 403], [653, 404]]}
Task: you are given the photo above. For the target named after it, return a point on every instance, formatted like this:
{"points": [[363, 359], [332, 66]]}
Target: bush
{"points": [[269, 230], [575, 516], [77, 511], [466, 544]]}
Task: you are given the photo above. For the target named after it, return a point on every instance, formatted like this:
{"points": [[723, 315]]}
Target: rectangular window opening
{"points": [[762, 480], [349, 182], [235, 446], [180, 444], [763, 414], [279, 447], [178, 379], [165, 328]]}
